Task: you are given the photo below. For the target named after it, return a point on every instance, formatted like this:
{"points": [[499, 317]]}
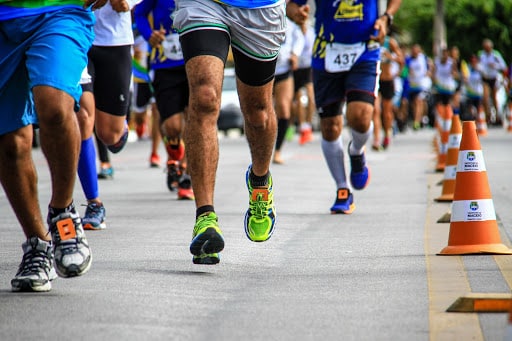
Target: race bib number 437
{"points": [[341, 57]]}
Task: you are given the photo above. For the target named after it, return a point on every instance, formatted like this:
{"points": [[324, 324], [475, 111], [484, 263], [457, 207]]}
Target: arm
{"points": [[141, 13], [120, 5], [297, 11], [383, 23], [396, 51], [95, 3], [140, 16]]}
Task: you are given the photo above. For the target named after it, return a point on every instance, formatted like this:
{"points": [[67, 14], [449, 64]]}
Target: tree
{"points": [[468, 22]]}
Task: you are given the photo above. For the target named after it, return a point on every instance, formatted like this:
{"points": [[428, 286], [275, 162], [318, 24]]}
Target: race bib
{"points": [[447, 84], [172, 47], [341, 57]]}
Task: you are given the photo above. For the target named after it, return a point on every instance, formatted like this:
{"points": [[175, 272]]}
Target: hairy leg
{"points": [[205, 75], [60, 141]]}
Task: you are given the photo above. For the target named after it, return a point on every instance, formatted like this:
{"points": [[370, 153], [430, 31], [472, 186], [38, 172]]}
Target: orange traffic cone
{"points": [[481, 123], [473, 226], [445, 122], [509, 117], [450, 170]]}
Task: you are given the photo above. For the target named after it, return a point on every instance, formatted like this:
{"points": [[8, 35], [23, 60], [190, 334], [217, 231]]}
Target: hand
{"points": [[157, 37], [120, 5], [381, 29], [95, 3], [298, 14]]}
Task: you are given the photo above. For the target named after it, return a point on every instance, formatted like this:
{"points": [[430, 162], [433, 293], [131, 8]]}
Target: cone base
{"points": [[500, 249], [445, 198]]}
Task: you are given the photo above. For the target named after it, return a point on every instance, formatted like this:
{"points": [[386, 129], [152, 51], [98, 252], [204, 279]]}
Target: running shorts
{"points": [[48, 49]]}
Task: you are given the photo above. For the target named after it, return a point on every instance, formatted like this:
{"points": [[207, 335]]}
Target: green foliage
{"points": [[468, 22]]}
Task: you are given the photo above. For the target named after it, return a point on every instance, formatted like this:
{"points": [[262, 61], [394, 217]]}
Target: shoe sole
{"points": [[207, 259], [28, 285], [91, 227], [210, 241], [349, 211]]}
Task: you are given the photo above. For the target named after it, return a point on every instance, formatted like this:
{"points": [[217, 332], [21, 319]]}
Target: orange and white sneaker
{"points": [[185, 191], [344, 202], [154, 160], [306, 135]]}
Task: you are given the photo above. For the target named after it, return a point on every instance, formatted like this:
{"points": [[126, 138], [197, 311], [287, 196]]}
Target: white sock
{"points": [[359, 140], [334, 156]]}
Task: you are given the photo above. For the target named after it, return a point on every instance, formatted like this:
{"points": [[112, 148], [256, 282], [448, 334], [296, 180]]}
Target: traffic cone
{"points": [[450, 170], [473, 226], [509, 117], [445, 122], [481, 122]]}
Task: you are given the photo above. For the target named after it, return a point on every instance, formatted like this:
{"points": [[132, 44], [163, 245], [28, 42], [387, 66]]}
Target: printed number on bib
{"points": [[172, 47], [341, 57]]}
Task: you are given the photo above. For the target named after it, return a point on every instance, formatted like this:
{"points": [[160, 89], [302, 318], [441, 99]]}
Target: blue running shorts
{"points": [[360, 83], [48, 49]]}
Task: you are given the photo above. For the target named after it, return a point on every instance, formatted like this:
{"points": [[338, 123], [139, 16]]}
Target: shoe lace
{"points": [[68, 246], [33, 262], [259, 207], [205, 220], [93, 211]]}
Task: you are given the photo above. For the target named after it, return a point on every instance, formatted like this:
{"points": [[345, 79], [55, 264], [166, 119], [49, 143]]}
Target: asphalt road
{"points": [[372, 275]]}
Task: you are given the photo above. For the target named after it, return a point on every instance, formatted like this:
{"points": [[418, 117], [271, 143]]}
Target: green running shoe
{"points": [[260, 218], [207, 240]]}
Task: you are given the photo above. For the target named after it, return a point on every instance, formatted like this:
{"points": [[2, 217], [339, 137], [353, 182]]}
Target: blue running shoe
{"points": [[106, 173], [359, 172], [207, 240], [260, 218], [119, 145], [94, 217], [344, 202]]}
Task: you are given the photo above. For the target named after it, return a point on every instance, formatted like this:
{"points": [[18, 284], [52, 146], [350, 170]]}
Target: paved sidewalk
{"points": [[372, 275]]}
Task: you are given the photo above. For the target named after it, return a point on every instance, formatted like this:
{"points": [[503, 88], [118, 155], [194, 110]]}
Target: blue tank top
{"points": [[344, 22]]}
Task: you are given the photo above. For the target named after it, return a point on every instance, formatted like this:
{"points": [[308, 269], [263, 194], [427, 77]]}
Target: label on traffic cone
{"points": [[450, 170], [473, 226]]}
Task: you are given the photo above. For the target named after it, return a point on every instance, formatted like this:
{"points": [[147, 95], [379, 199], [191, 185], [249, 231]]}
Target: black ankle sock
{"points": [[204, 209], [54, 211], [258, 181]]}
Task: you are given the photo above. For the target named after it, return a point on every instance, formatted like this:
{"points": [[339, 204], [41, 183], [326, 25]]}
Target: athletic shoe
{"points": [[140, 130], [154, 160], [119, 145], [290, 133], [185, 191], [173, 174], [344, 202], [36, 271], [306, 135], [385, 142], [94, 217], [207, 240], [377, 148], [106, 173], [260, 218], [71, 251], [359, 173]]}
